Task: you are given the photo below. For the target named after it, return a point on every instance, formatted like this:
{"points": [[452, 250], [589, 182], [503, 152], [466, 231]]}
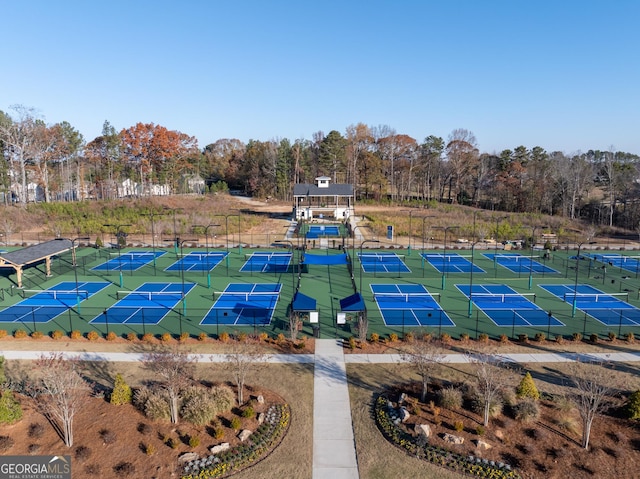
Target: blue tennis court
{"points": [[244, 304], [409, 305], [517, 263], [506, 307], [451, 263], [198, 261], [266, 262], [609, 309], [383, 263], [147, 304], [129, 261], [316, 231], [628, 263], [42, 306]]}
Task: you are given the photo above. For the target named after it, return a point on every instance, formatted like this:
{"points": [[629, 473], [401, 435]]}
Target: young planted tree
{"points": [[424, 356], [61, 392], [527, 388], [491, 378], [121, 393], [593, 384], [243, 359], [175, 367]]}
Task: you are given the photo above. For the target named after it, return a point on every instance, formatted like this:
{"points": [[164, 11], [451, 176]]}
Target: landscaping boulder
{"points": [[452, 439], [220, 448], [260, 399], [244, 435], [402, 398], [423, 430], [404, 414], [483, 444], [188, 457], [260, 418], [499, 434]]}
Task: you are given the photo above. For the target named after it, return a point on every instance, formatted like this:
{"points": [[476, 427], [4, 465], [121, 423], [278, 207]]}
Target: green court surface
{"points": [[328, 284]]}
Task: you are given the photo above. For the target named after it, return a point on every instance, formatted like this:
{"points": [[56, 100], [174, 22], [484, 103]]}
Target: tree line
{"points": [[601, 187]]}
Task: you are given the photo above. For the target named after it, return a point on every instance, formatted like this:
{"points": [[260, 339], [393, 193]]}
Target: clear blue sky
{"points": [[560, 74]]}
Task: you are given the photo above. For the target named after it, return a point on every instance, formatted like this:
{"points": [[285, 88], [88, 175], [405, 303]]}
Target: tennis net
{"points": [[149, 295], [55, 294], [405, 297], [240, 296], [596, 297], [450, 258], [516, 258], [133, 256], [380, 258], [504, 298]]}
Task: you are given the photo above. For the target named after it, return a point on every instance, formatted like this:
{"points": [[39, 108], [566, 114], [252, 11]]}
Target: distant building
{"points": [[323, 200]]}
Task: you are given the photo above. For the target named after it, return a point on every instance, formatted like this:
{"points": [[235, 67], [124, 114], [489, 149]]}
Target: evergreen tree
{"points": [[121, 393], [527, 388]]}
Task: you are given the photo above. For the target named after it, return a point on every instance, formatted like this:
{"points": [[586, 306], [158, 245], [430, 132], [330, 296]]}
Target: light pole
{"points": [[574, 305], [495, 255], [184, 296], [473, 249], [410, 231], [176, 238], [119, 234], [206, 240], [444, 258], [152, 215], [533, 242], [74, 262], [293, 276], [424, 219], [361, 245]]}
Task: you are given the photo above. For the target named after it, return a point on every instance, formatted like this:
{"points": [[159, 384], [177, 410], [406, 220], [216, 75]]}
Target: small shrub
{"points": [[6, 442], [124, 469], [559, 339], [10, 409], [218, 433], [34, 448], [540, 337], [57, 334], [82, 453], [166, 337], [147, 337], [393, 338], [568, 424], [184, 336], [248, 412], [107, 436], [202, 337], [630, 337], [149, 449], [577, 337], [523, 338], [173, 443], [263, 337], [3, 333], [504, 338], [612, 336], [242, 337], [480, 430], [445, 338], [375, 337], [111, 336], [36, 430], [527, 388], [224, 337], [280, 339], [75, 334], [144, 428], [593, 338], [92, 469], [564, 404], [483, 338], [458, 426], [20, 334], [194, 441], [632, 406], [464, 337], [352, 343], [121, 393], [93, 335], [427, 337], [235, 423], [409, 337], [526, 411], [132, 336], [450, 398], [37, 335]]}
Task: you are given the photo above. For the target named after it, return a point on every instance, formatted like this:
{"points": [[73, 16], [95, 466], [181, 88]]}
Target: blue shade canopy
{"points": [[302, 302], [355, 302], [324, 259]]}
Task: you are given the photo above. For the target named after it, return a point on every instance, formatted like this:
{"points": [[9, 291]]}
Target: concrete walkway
{"points": [[334, 455]]}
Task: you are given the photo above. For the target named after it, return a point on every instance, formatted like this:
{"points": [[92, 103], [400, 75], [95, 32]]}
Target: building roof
{"points": [[37, 252], [305, 189]]}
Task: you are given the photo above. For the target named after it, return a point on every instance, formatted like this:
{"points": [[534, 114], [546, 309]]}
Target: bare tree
{"points": [[176, 368], [294, 325], [362, 325], [491, 379], [425, 356], [61, 392], [593, 384], [243, 359]]}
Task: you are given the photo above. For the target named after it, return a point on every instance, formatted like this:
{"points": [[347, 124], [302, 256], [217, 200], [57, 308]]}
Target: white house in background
{"points": [[323, 200]]}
